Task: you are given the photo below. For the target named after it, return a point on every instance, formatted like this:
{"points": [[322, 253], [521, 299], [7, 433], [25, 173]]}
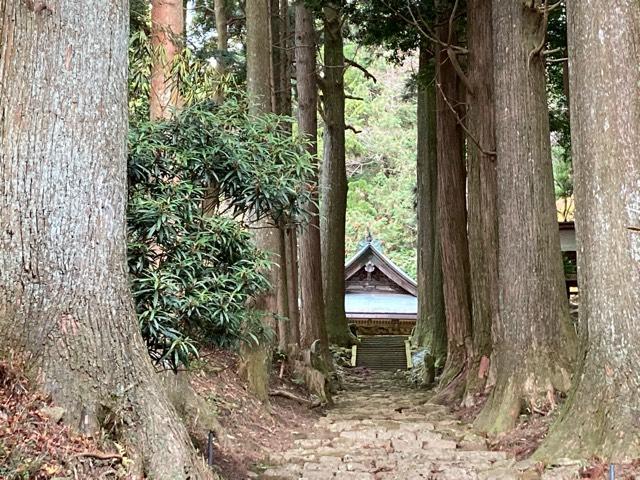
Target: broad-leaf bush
{"points": [[194, 272], [195, 182]]}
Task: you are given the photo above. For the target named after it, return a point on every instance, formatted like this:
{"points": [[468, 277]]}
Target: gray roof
{"points": [[380, 303], [390, 269]]}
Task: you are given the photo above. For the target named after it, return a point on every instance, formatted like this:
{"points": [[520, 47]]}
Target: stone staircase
{"points": [[382, 352], [380, 429]]}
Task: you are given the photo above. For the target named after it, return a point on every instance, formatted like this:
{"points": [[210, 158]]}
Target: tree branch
{"points": [[462, 125], [353, 129], [366, 72], [456, 66], [545, 24]]}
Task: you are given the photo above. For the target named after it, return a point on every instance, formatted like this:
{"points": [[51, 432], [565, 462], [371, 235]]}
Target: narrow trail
{"points": [[381, 429]]}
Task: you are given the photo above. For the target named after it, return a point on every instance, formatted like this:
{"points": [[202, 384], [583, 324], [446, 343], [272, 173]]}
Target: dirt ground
{"points": [[253, 431]]}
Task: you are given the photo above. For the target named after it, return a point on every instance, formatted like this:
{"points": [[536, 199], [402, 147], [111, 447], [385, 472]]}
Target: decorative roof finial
{"points": [[369, 237]]}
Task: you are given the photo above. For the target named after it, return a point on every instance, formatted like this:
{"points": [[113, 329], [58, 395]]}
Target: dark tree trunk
{"points": [[312, 324], [452, 220], [334, 179], [267, 238], [281, 104], [601, 417], [64, 293], [283, 295], [293, 285], [431, 328], [534, 341], [482, 192], [167, 39]]}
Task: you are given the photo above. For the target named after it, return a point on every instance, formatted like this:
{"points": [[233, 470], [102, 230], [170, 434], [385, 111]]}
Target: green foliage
{"points": [[381, 159], [197, 80], [193, 181], [194, 272]]}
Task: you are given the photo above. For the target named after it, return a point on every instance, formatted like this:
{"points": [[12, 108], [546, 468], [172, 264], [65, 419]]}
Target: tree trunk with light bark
{"points": [[452, 221], [601, 415], [167, 39], [334, 179], [482, 195], [534, 341], [65, 302], [431, 328]]}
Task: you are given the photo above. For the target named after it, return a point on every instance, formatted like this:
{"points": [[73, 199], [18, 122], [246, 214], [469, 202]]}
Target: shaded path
{"points": [[381, 429]]}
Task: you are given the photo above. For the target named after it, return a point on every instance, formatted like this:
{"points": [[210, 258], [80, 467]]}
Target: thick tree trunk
{"points": [[267, 238], [482, 192], [431, 328], [312, 324], [334, 180], [601, 417], [167, 31], [452, 221], [64, 294], [534, 340]]}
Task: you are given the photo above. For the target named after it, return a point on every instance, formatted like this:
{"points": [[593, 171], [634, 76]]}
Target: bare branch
{"points": [[545, 24], [351, 97], [462, 125], [456, 66], [366, 72], [353, 129]]}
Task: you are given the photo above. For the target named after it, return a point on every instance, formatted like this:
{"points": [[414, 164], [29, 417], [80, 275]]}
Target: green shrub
{"points": [[194, 272]]}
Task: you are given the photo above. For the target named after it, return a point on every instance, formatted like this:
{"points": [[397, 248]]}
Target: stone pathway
{"points": [[381, 429]]}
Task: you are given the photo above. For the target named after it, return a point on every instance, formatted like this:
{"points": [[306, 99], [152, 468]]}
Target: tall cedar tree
{"points": [[312, 326], [281, 104], [534, 343], [431, 329], [167, 39], [601, 417], [268, 238], [482, 192], [64, 293], [334, 179], [452, 217]]}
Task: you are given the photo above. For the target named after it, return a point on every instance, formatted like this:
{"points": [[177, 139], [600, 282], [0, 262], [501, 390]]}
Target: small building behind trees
{"points": [[380, 299]]}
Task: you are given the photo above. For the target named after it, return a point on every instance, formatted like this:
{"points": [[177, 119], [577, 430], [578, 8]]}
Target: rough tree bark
{"points": [[601, 415], [334, 179], [293, 286], [64, 294], [482, 194], [167, 30], [222, 43], [431, 328], [452, 220], [281, 104], [266, 238], [312, 324], [283, 294], [534, 341]]}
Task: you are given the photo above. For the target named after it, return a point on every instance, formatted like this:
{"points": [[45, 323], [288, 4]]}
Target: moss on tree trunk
{"points": [[431, 329], [534, 341], [601, 414]]}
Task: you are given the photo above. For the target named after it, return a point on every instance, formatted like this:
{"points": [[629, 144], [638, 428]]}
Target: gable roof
{"points": [[370, 253]]}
